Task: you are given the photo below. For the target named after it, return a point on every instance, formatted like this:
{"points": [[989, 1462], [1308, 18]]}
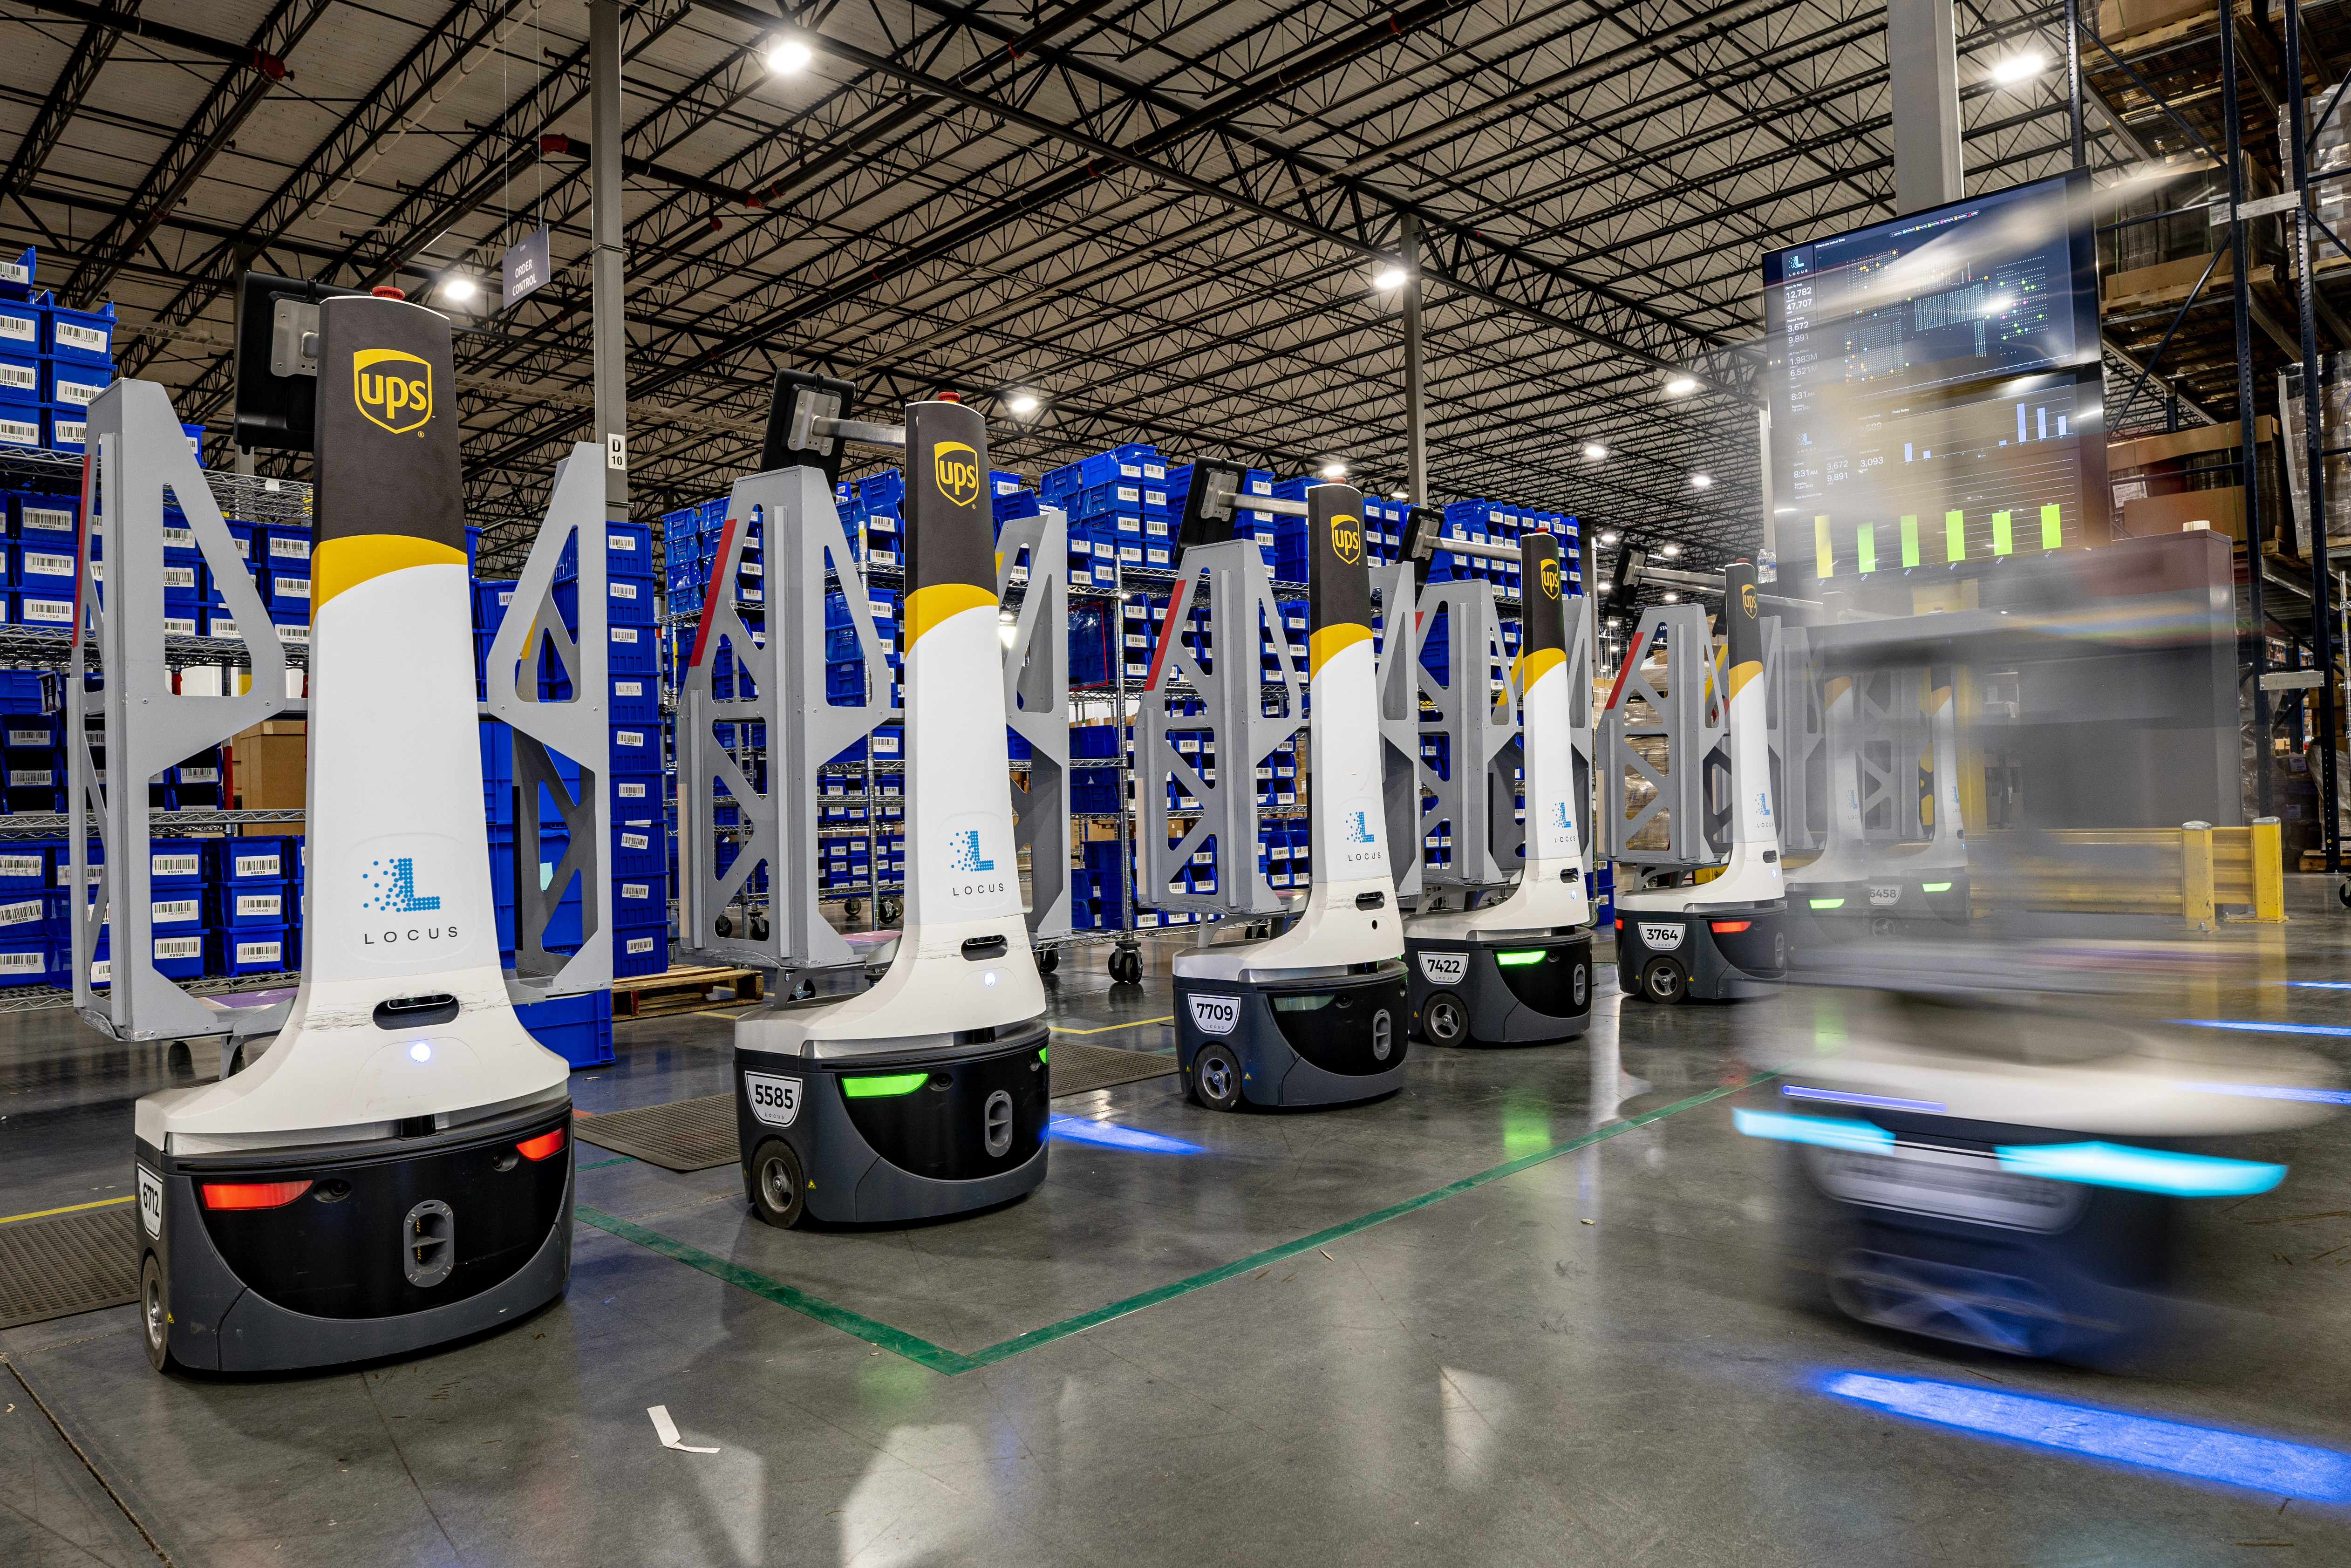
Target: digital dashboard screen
{"points": [[1936, 390]]}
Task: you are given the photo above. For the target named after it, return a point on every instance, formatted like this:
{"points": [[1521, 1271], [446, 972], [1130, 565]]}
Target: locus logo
{"points": [[1347, 538], [1358, 829], [956, 467], [394, 882], [964, 852], [1560, 818], [1551, 578], [398, 396]]}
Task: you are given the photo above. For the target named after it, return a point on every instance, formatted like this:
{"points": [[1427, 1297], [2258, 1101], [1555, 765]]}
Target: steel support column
{"points": [[2248, 426], [2322, 630], [610, 330], [1415, 407], [1923, 72]]}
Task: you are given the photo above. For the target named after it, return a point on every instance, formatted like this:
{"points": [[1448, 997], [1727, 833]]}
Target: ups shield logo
{"points": [[1551, 578], [1746, 597], [1347, 538], [956, 467], [398, 395]]}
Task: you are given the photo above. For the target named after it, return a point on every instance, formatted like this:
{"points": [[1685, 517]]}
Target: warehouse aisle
{"points": [[1532, 1309]]}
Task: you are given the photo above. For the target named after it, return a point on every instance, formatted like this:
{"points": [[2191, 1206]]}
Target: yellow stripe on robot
{"points": [[344, 563], [1325, 644], [926, 607]]}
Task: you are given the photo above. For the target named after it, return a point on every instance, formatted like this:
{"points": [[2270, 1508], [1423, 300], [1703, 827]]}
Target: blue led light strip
{"points": [[2175, 1447], [1873, 1101]]}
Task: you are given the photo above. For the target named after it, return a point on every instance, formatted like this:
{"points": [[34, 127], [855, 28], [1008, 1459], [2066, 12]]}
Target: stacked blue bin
{"points": [[1117, 502]]}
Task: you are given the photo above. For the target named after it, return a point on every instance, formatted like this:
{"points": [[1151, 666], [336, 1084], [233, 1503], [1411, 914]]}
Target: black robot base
{"points": [[263, 1260], [1717, 952], [934, 1129], [1314, 1038], [1492, 990]]}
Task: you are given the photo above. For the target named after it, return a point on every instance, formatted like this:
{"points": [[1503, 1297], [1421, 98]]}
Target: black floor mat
{"points": [[56, 1267], [1079, 1067]]}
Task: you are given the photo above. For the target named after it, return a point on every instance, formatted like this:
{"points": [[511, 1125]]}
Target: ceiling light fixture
{"points": [[1594, 451], [1701, 481], [1671, 551], [1673, 598], [786, 56], [1681, 386], [2019, 68], [1609, 537], [1393, 277], [1024, 403], [459, 288], [1335, 470]]}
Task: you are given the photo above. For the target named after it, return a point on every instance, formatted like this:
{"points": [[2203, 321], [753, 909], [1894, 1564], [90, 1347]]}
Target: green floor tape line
{"points": [[873, 1330], [954, 1362], [615, 1160]]}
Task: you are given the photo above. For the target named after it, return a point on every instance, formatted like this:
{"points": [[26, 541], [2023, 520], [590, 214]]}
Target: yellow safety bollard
{"points": [[2268, 872], [2196, 875]]}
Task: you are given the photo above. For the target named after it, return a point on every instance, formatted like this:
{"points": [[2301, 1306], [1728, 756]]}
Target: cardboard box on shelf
{"points": [[272, 766], [2222, 511]]}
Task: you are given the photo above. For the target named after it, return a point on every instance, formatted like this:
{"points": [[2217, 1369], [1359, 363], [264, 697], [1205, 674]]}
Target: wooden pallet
{"points": [[680, 990]]}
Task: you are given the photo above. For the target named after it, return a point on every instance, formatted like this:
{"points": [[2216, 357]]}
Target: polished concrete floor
{"points": [[1536, 1308]]}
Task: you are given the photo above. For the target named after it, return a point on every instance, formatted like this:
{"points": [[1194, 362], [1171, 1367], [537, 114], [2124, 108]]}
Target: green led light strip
{"points": [[1828, 904], [1508, 960], [883, 1085]]}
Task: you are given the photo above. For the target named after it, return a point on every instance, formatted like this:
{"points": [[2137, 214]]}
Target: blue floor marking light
{"points": [[2256, 1026], [1871, 1101], [1828, 1132], [2140, 1170], [2271, 1091], [1077, 1129], [2201, 1453]]}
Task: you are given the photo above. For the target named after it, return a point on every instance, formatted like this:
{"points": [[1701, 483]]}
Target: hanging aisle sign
{"points": [[525, 268]]}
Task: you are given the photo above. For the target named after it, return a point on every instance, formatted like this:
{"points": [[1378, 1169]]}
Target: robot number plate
{"points": [[773, 1101]]}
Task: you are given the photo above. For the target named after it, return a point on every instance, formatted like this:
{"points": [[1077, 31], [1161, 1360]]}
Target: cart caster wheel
{"points": [[852, 908], [1215, 1079], [155, 1314], [890, 909], [778, 1190], [1048, 960], [1126, 967], [2343, 894], [1445, 1019], [1662, 981]]}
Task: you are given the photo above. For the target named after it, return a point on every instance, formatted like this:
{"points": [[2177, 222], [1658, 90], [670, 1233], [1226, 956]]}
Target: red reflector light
{"points": [[1620, 922], [252, 1193], [1730, 924], [541, 1146]]}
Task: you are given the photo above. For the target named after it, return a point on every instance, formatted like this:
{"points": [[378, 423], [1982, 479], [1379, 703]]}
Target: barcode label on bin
{"points": [[260, 952], [21, 914], [640, 944], [256, 865], [170, 911], [260, 902], [179, 947], [21, 963]]}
